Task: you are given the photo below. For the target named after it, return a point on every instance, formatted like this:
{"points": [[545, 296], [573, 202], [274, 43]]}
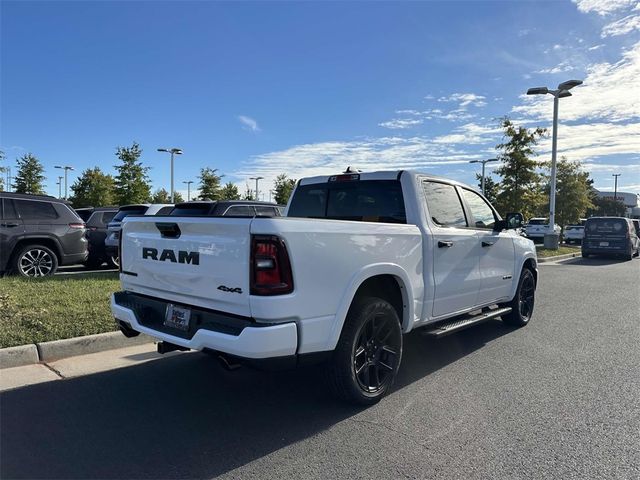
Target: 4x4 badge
{"points": [[230, 290]]}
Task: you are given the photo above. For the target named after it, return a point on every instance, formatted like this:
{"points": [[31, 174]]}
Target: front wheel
{"points": [[523, 301], [35, 261], [366, 360]]}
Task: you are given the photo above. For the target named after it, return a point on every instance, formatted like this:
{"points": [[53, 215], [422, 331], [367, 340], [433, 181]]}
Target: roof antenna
{"points": [[350, 169]]}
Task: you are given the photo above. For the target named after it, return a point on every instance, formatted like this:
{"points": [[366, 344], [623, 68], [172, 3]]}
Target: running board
{"points": [[452, 326]]}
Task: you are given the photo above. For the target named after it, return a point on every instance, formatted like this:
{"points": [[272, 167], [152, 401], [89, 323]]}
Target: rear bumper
{"points": [[250, 342]]}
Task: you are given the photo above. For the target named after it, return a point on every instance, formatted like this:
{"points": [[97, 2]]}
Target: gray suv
{"points": [[38, 233]]}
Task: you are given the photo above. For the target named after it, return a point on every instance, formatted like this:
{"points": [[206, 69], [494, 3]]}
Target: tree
{"points": [[210, 184], [248, 193], [520, 183], [162, 196], [283, 187], [229, 192], [572, 192], [606, 206], [132, 180], [491, 188], [30, 176], [93, 189]]}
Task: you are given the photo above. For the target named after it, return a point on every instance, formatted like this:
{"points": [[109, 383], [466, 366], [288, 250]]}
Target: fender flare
{"points": [[356, 281], [516, 277]]}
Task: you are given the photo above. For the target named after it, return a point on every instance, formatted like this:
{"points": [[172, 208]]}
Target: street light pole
{"points": [[172, 151], [615, 189], [59, 183], [66, 168], [483, 162], [551, 239], [257, 179], [188, 189]]}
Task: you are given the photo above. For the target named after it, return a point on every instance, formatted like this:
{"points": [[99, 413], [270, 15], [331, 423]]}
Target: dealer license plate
{"points": [[604, 244], [177, 317]]}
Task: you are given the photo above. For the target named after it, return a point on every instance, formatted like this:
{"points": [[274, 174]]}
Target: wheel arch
{"points": [[387, 281], [48, 242]]}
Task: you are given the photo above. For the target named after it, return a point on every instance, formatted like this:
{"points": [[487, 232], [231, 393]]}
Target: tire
{"points": [[366, 360], [114, 261], [35, 261], [523, 301], [629, 256]]}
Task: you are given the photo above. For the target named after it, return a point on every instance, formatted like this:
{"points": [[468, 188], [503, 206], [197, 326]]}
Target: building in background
{"points": [[630, 200]]}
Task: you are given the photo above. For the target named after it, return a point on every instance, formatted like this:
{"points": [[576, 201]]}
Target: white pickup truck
{"points": [[358, 260]]}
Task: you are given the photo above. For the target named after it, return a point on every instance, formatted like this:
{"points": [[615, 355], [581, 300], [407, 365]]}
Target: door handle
{"points": [[487, 244], [445, 243], [9, 225]]}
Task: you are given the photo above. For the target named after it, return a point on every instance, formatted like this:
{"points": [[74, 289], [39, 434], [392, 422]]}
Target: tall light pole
{"points": [[189, 182], [9, 179], [257, 179], [615, 189], [59, 183], [172, 151], [551, 239], [66, 168], [484, 162]]}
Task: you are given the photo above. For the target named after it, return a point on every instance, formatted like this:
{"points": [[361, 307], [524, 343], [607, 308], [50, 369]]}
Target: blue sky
{"points": [[308, 88]]}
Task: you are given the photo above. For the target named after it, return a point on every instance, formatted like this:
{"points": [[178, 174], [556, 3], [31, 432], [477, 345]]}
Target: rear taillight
{"points": [[76, 225], [270, 266]]}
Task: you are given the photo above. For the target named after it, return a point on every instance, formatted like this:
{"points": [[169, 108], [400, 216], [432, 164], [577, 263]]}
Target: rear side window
{"points": [[614, 226], [192, 210], [366, 201], [267, 211], [9, 211], [444, 204], [35, 210], [122, 213], [240, 211], [107, 217], [483, 215], [165, 211]]}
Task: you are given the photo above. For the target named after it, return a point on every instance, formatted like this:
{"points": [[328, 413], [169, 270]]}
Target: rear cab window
{"points": [[365, 201]]}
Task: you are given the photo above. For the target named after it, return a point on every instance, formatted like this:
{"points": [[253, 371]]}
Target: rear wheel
{"points": [[35, 261], [367, 358], [114, 261], [523, 301]]}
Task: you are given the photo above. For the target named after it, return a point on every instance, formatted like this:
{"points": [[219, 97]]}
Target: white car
{"points": [[573, 233], [537, 227], [359, 260], [112, 240]]}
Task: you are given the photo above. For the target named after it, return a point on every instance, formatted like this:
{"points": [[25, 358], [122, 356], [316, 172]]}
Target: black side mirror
{"points": [[514, 220], [500, 225]]}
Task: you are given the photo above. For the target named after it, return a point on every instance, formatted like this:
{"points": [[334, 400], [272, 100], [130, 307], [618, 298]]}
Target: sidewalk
{"points": [[70, 367]]}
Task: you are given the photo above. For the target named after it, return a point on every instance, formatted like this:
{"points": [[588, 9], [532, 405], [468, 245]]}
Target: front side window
{"points": [[482, 213], [34, 210], [444, 205]]}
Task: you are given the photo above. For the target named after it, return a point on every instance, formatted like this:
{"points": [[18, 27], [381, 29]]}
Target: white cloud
{"points": [[560, 68], [595, 47], [602, 7], [621, 27], [465, 99], [249, 123], [401, 123], [611, 91]]}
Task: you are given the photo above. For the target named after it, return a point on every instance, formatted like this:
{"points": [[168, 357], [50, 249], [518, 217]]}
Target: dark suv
{"points": [[97, 219], [611, 236], [38, 233]]}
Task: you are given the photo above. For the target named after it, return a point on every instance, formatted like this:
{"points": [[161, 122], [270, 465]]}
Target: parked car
{"points": [[97, 222], [573, 233], [636, 225], [358, 260], [611, 236], [226, 208], [537, 227], [84, 212], [113, 228], [38, 233]]}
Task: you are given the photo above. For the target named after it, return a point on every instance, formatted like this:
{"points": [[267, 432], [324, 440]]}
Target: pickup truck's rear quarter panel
{"points": [[330, 259], [223, 260]]}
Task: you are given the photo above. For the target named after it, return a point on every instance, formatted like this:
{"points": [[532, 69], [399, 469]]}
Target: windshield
{"points": [[125, 212], [367, 201]]}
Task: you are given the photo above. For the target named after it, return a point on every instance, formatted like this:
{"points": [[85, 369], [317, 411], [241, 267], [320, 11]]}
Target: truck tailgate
{"points": [[200, 261]]}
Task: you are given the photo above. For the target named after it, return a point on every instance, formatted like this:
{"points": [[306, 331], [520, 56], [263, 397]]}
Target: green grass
{"points": [[63, 306], [544, 253]]}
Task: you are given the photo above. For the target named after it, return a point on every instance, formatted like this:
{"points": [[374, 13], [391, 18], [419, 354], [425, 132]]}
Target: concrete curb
{"points": [[70, 347], [18, 356], [558, 257]]}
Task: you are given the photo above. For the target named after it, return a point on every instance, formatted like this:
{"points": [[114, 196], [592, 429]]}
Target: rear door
{"points": [[495, 250], [11, 229], [196, 261], [607, 235], [456, 274]]}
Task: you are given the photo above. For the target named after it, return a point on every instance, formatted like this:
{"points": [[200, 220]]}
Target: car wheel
{"points": [[114, 261], [366, 360], [523, 301], [629, 256], [35, 261]]}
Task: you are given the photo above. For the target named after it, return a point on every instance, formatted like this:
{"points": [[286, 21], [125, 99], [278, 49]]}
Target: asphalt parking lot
{"points": [[557, 399]]}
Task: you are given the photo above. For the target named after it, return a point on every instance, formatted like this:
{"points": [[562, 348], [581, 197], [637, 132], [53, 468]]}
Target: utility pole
{"points": [[9, 179], [188, 182], [257, 179], [59, 183], [66, 168], [615, 189], [483, 162], [172, 151]]}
